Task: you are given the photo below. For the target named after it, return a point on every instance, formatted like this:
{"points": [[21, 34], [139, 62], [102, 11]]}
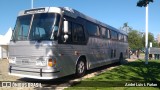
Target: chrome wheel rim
{"points": [[81, 67]]}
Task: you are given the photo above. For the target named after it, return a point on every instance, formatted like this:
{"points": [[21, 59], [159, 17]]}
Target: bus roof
{"points": [[69, 12]]}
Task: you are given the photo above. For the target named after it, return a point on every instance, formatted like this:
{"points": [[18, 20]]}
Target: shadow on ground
{"points": [[136, 72], [133, 71], [149, 72]]}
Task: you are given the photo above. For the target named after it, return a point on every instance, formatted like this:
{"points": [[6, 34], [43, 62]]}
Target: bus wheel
{"points": [[121, 59], [80, 68]]}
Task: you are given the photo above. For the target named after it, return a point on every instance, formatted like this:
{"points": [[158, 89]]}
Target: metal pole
{"points": [[32, 4], [146, 38]]}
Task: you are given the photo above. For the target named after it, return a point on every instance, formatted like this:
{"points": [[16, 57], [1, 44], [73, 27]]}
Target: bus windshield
{"points": [[44, 26]]}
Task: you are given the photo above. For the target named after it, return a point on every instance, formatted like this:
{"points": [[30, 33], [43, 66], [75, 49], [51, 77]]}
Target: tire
{"points": [[80, 68], [121, 59]]}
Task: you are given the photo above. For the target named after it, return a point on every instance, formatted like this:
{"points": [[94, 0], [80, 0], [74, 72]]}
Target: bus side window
{"points": [[120, 37], [114, 35], [78, 33], [108, 34], [125, 38], [104, 32], [92, 29]]}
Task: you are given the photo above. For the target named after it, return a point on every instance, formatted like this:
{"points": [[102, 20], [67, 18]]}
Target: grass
{"points": [[116, 78]]}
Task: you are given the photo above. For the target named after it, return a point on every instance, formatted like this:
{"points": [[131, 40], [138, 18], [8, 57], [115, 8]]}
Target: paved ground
{"points": [[4, 72], [51, 84]]}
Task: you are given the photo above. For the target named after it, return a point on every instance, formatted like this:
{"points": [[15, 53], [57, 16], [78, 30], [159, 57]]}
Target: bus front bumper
{"points": [[35, 73]]}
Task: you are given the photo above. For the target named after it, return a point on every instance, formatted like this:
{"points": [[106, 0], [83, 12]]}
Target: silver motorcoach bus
{"points": [[52, 42]]}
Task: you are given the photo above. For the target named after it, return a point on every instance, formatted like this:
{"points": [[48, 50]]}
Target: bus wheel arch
{"points": [[81, 66]]}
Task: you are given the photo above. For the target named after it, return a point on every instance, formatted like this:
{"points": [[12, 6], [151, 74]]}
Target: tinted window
{"points": [[38, 32], [114, 35], [92, 28], [120, 37], [78, 33], [125, 38], [75, 34], [104, 32], [22, 27], [109, 34], [42, 26]]}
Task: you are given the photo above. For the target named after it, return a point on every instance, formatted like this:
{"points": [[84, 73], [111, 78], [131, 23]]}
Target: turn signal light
{"points": [[51, 62]]}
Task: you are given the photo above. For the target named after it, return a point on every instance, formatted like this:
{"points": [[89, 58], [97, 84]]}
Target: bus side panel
{"points": [[67, 57]]}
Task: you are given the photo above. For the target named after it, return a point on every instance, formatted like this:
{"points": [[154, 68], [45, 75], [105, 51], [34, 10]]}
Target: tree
{"points": [[135, 40], [155, 44], [126, 28], [143, 3], [125, 24], [150, 38]]}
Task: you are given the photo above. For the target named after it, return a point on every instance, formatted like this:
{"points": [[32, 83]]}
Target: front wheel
{"points": [[80, 68]]}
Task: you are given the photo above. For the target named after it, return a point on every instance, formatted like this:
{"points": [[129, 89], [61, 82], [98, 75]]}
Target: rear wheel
{"points": [[121, 59], [81, 68]]}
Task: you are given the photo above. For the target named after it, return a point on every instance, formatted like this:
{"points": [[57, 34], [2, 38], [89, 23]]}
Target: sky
{"points": [[111, 12]]}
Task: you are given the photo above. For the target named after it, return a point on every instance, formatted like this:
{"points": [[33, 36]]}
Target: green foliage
{"points": [[143, 3], [150, 39], [155, 44], [135, 40]]}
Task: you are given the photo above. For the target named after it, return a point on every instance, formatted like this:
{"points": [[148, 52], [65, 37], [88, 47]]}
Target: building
{"points": [[4, 41]]}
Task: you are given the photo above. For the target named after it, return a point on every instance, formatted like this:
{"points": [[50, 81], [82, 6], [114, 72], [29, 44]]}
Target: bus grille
{"points": [[26, 51]]}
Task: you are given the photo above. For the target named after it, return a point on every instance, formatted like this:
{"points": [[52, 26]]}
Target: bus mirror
{"points": [[65, 37], [12, 38], [65, 27], [12, 31], [65, 30]]}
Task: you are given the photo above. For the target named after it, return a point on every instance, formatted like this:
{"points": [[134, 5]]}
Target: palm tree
{"points": [[143, 3]]}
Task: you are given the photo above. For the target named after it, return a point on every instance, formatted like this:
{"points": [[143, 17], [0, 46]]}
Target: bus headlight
{"points": [[12, 60], [41, 62]]}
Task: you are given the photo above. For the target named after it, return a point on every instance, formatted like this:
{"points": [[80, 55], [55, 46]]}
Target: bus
{"points": [[53, 42]]}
